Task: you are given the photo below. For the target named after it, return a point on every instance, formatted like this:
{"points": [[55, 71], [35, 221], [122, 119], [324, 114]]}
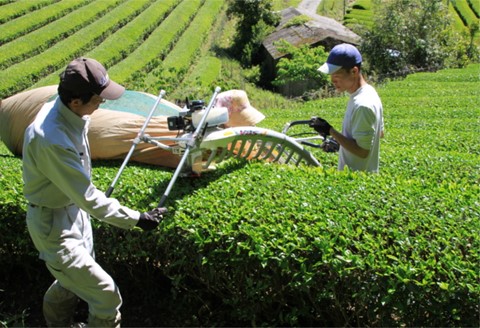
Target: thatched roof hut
{"points": [[314, 30], [319, 30]]}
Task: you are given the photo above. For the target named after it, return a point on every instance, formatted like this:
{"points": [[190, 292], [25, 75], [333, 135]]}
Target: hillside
{"points": [[360, 14], [147, 45], [135, 39]]}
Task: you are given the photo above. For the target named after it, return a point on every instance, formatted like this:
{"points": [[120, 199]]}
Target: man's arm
{"points": [[324, 128], [349, 144]]}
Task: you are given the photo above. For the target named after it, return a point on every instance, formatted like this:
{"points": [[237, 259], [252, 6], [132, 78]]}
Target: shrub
{"points": [[186, 50], [35, 19], [300, 65], [21, 75], [13, 10], [255, 22], [410, 36], [298, 20]]}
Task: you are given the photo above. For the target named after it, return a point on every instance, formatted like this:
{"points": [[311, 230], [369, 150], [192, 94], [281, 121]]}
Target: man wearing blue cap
{"points": [[363, 122]]}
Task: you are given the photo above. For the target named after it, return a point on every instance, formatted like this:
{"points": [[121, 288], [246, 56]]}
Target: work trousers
{"points": [[88, 282], [64, 238]]}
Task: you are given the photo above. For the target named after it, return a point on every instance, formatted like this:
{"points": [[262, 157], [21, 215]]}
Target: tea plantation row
{"points": [[130, 37], [264, 244]]}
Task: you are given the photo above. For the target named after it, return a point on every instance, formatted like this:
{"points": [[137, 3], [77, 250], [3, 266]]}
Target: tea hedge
{"points": [[184, 54], [360, 13], [14, 10], [475, 5], [465, 12], [123, 42], [158, 44], [35, 19], [130, 39], [37, 41], [256, 244], [206, 72], [21, 75]]}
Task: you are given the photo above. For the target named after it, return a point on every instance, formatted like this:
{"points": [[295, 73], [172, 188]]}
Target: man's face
{"points": [[88, 108], [345, 80]]}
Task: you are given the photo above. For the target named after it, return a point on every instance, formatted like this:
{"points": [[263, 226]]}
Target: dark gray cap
{"points": [[88, 75]]}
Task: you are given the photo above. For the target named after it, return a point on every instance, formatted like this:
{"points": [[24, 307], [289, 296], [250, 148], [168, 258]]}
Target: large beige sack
{"points": [[111, 132], [18, 111]]}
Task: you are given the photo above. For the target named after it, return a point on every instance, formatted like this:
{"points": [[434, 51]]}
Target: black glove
{"points": [[320, 125], [150, 220], [330, 145]]}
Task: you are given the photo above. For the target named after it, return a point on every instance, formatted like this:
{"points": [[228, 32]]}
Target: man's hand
{"points": [[150, 220], [320, 125], [330, 145]]}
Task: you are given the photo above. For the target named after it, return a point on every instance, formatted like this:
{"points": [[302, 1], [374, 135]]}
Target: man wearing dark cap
{"points": [[363, 122], [61, 196]]}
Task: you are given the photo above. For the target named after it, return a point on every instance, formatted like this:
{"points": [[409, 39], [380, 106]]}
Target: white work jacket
{"points": [[57, 176]]}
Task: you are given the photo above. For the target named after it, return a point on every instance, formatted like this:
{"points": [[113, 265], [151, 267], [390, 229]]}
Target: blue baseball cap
{"points": [[342, 55]]}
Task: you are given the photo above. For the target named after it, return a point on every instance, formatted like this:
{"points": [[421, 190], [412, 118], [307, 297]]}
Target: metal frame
{"points": [[210, 145]]}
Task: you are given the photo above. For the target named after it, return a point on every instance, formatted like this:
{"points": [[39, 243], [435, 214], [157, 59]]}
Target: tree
{"points": [[410, 35], [300, 65], [255, 21]]}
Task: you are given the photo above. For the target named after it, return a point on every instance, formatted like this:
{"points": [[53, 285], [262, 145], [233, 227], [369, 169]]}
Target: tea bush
{"points": [[20, 76], [256, 244], [34, 43], [33, 20], [14, 10], [186, 51], [117, 46]]}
